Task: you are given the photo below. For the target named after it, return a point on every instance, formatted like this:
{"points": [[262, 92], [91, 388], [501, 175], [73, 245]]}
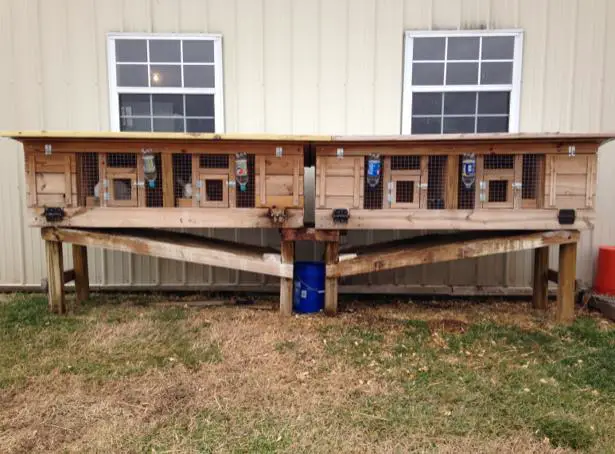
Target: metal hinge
{"points": [[423, 186], [106, 196], [279, 151], [482, 185], [105, 183], [199, 184], [482, 197], [48, 149], [517, 185], [231, 183], [390, 192], [140, 184], [572, 151], [340, 153]]}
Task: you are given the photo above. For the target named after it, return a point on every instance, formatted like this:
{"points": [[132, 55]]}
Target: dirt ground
{"points": [[132, 374]]}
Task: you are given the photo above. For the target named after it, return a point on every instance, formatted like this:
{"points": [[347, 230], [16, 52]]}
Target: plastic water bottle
{"points": [[468, 170], [241, 171], [149, 170], [373, 170]]}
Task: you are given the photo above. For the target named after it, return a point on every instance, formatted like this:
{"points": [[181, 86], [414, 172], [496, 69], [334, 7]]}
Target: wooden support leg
{"points": [[55, 276], [332, 254], [286, 284], [82, 280], [541, 282], [566, 284]]}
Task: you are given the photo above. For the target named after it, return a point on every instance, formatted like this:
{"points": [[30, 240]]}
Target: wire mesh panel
{"points": [[405, 162], [498, 191], [530, 176], [214, 190], [122, 160], [247, 198], [154, 185], [436, 182], [121, 175], [404, 191], [498, 161], [89, 187], [372, 194], [213, 161], [465, 195], [499, 176], [182, 174]]}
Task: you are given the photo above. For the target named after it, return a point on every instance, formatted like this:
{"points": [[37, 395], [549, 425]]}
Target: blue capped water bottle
{"points": [[468, 170], [373, 170]]}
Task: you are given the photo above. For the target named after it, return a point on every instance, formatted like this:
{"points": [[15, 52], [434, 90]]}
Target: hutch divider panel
{"points": [[106, 182]]}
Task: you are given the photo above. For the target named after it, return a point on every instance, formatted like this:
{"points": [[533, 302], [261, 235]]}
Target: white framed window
{"points": [[165, 82], [462, 81]]}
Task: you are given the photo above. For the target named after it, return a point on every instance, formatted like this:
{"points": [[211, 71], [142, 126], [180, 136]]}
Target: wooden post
{"points": [[540, 285], [82, 280], [567, 275], [55, 275], [286, 284], [332, 253]]}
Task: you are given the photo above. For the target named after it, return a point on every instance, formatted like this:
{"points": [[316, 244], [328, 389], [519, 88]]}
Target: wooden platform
{"points": [[358, 260]]}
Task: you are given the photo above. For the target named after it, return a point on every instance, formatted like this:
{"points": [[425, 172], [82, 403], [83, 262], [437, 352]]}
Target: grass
{"points": [[129, 376]]}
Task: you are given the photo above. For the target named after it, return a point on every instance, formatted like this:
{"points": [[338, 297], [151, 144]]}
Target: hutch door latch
{"points": [[572, 151], [48, 149], [340, 153], [279, 151]]}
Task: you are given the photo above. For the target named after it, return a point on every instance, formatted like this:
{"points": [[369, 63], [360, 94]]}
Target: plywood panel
{"points": [[340, 186]]}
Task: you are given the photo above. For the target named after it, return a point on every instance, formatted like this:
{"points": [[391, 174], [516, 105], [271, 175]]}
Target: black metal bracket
{"points": [[340, 215], [54, 214], [566, 217]]}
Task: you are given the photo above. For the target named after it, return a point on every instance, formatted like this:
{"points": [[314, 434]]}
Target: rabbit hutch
{"points": [[125, 191]]}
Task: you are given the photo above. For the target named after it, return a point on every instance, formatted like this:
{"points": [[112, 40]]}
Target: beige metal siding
{"points": [[328, 66]]}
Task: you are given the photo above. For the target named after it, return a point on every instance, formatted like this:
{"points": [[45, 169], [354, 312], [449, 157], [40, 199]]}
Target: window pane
{"points": [[169, 124], [498, 48], [134, 105], [166, 76], [458, 125], [199, 76], [135, 124], [463, 48], [427, 73], [131, 50], [426, 103], [198, 51], [428, 49], [200, 125], [496, 102], [164, 50], [492, 124], [463, 103], [131, 75], [168, 105], [462, 73], [426, 125], [199, 105], [496, 73]]}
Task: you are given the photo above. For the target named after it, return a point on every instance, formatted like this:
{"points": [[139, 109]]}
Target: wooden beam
{"points": [[81, 275], [553, 276], [443, 251], [567, 276], [452, 182], [67, 276], [500, 219], [168, 190], [126, 217], [286, 284], [309, 234], [540, 284], [178, 246], [331, 283], [55, 276]]}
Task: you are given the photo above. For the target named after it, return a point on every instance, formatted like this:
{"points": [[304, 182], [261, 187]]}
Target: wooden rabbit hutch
{"points": [[504, 192]]}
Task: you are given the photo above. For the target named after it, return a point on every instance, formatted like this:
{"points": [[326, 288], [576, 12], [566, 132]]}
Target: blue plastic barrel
{"points": [[309, 294]]}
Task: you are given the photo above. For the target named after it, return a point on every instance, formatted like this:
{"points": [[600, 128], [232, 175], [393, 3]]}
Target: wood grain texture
{"points": [[287, 250], [81, 274], [55, 276], [332, 251], [566, 285], [540, 283]]}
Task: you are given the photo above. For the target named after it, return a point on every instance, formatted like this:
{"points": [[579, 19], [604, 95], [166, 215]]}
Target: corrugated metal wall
{"points": [[298, 66]]}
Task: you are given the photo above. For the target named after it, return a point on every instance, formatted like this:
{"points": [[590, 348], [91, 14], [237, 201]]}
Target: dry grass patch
{"points": [[439, 377]]}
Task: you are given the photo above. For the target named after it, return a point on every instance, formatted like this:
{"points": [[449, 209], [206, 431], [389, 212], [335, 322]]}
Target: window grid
{"points": [[509, 122], [213, 123]]}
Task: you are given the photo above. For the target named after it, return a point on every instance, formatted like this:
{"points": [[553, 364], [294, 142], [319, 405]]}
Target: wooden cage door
{"points": [[279, 181], [570, 182], [340, 182], [405, 189], [499, 181], [212, 190], [52, 179]]}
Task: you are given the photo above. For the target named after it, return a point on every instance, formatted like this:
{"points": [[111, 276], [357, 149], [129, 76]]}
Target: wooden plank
{"points": [[278, 185], [343, 186], [339, 202], [549, 182], [424, 180], [452, 182], [81, 275], [102, 174], [501, 219], [141, 200], [518, 172], [177, 246], [278, 201], [440, 251], [31, 175], [261, 188], [168, 190], [169, 218], [51, 183], [356, 186], [232, 189], [589, 182], [541, 183], [322, 180], [332, 251], [478, 203], [386, 181], [286, 284], [68, 181], [284, 165], [570, 165], [68, 276], [51, 200], [540, 284], [309, 234], [55, 276], [296, 180], [195, 180], [567, 276], [552, 276], [568, 184]]}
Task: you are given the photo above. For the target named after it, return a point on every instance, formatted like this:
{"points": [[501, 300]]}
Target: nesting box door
{"points": [[570, 182], [339, 182], [279, 181], [119, 172], [405, 189], [211, 176], [52, 180], [499, 179]]}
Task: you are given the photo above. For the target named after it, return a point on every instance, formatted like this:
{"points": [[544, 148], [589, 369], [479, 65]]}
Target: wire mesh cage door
{"points": [[408, 179], [499, 178], [211, 177], [120, 179]]}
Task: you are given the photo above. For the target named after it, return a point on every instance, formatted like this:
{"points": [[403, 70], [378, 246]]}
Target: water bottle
{"points": [[241, 171], [149, 170], [468, 170], [373, 170]]}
